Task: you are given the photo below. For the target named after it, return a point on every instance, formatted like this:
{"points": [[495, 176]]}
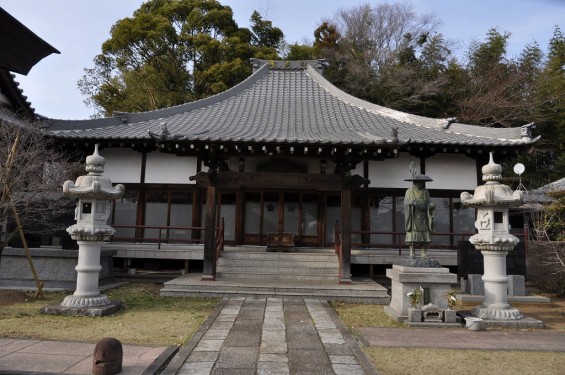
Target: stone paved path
{"points": [[272, 336]]}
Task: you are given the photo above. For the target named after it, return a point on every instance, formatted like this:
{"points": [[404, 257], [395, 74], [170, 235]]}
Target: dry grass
{"points": [[147, 318], [401, 361], [422, 361], [356, 315]]}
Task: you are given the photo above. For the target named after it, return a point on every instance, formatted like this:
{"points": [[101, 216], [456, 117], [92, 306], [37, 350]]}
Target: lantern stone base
{"points": [[497, 314], [91, 311], [526, 322], [74, 301], [436, 281]]}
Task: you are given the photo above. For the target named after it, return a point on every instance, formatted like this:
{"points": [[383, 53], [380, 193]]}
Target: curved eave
{"points": [[17, 101]]}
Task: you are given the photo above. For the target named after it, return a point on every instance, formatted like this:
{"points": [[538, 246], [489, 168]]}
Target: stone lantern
{"points": [[94, 193], [492, 201]]}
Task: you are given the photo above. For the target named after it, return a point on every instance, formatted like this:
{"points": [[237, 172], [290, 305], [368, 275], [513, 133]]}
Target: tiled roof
{"points": [[543, 194], [12, 96], [20, 48], [282, 105]]}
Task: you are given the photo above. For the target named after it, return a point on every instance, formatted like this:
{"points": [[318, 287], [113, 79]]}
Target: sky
{"points": [[77, 28]]}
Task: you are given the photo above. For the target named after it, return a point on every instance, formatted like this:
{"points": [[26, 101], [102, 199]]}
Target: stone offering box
{"points": [[432, 314]]}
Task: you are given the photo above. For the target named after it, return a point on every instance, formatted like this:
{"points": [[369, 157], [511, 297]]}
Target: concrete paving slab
{"points": [[209, 345], [222, 325], [266, 357], [238, 358], [272, 368], [197, 368], [304, 342], [233, 371], [343, 359], [243, 338], [38, 362], [301, 360], [69, 357], [347, 369], [203, 357], [216, 334], [337, 349]]}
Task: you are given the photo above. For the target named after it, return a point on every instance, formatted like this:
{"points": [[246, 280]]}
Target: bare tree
{"points": [[32, 171], [376, 53], [376, 34]]}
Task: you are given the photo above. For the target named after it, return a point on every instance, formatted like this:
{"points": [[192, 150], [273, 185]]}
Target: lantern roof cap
{"points": [[492, 193]]}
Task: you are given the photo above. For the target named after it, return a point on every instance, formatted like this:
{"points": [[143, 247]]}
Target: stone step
{"points": [[343, 297], [361, 290], [274, 270], [258, 263], [299, 290], [277, 276], [302, 257], [245, 249]]}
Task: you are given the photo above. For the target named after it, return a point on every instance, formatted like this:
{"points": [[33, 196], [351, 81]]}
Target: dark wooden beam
{"points": [[209, 266], [320, 182], [345, 276]]}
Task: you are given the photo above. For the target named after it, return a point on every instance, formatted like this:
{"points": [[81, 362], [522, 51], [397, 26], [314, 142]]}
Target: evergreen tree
{"points": [[168, 53], [266, 38]]}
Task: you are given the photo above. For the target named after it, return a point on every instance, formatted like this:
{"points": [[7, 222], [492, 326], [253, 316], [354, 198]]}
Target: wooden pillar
{"points": [[345, 276], [209, 266]]}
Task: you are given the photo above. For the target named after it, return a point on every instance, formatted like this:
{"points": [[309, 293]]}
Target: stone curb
{"points": [[365, 363], [162, 361]]}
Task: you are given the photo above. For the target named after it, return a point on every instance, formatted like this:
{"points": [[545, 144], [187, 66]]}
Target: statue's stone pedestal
{"points": [[405, 279]]}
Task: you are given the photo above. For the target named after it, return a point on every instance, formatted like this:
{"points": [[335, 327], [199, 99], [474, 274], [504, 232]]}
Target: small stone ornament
{"points": [[108, 357], [432, 313]]}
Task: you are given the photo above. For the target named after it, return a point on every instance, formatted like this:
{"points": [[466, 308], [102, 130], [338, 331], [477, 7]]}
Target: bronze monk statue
{"points": [[419, 214]]}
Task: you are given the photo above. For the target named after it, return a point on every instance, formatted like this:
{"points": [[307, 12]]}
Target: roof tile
{"points": [[287, 106]]}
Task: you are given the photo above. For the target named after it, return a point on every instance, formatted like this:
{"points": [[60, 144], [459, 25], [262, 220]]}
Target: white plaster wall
{"points": [[123, 165], [451, 171], [391, 173], [358, 170], [169, 169]]}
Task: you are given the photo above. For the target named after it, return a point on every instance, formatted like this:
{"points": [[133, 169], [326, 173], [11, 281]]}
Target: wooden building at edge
{"points": [[285, 151]]}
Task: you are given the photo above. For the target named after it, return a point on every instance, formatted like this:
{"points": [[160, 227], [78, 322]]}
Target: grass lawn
{"points": [[423, 361], [147, 319]]}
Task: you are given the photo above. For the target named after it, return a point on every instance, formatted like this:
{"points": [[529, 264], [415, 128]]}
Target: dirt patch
{"points": [[10, 297], [552, 314]]}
